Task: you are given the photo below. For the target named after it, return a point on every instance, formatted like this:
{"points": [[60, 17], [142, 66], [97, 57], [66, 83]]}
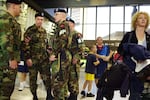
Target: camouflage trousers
{"points": [[73, 83], [59, 85], [44, 70], [7, 83], [70, 84], [60, 76]]}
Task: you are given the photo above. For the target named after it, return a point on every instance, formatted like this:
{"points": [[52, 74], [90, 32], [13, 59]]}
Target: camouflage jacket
{"points": [[37, 43], [60, 45], [25, 51], [10, 37], [77, 45], [61, 37]]}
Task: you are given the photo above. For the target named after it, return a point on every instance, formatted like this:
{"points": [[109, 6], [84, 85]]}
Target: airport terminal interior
{"points": [[26, 94], [109, 19]]}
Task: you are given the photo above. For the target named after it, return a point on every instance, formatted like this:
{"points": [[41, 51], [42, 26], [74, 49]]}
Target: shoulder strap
{"points": [[129, 40], [130, 35]]}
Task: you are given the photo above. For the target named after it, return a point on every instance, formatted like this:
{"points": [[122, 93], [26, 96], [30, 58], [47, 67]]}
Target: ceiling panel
{"points": [[85, 3], [41, 5]]}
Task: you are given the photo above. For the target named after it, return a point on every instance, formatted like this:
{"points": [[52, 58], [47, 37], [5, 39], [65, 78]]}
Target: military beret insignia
{"points": [[60, 10], [39, 14], [70, 20]]}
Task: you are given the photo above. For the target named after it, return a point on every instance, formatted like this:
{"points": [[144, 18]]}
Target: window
{"points": [[89, 23], [77, 15], [128, 15], [116, 22], [145, 8], [109, 22], [103, 22]]}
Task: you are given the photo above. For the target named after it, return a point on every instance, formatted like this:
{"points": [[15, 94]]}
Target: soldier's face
{"points": [[39, 21], [58, 16], [71, 25], [17, 9]]}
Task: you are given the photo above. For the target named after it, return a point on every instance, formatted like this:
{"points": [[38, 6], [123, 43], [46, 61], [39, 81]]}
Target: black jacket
{"points": [[130, 37]]}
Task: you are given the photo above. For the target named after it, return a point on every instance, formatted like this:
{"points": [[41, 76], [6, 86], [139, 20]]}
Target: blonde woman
{"points": [[139, 36]]}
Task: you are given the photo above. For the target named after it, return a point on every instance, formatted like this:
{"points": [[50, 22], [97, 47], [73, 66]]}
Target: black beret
{"points": [[39, 14], [71, 20], [60, 10], [14, 1]]}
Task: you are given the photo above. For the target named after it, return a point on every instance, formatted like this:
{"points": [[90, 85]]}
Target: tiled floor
{"points": [[26, 94]]}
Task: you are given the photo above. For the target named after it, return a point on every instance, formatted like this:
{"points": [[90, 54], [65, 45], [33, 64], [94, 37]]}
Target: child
{"points": [[91, 64], [22, 67]]}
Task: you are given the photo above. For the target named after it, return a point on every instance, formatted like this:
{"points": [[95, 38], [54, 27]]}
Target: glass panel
{"points": [[145, 8], [128, 13], [127, 27], [103, 31], [103, 15], [90, 15], [78, 27], [77, 15], [89, 23], [117, 14], [116, 31], [89, 32]]}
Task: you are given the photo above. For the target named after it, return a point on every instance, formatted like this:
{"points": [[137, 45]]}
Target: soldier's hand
{"points": [[29, 62], [52, 58], [13, 64], [27, 39], [74, 60], [80, 35]]}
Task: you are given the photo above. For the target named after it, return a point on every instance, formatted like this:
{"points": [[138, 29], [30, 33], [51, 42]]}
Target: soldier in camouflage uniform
{"points": [[10, 39], [76, 49], [61, 66], [39, 61]]}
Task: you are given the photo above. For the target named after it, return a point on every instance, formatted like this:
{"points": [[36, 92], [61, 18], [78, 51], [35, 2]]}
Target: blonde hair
{"points": [[134, 19], [92, 46]]}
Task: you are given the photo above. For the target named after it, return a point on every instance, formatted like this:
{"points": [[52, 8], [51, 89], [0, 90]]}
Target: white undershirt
{"points": [[140, 66], [143, 42]]}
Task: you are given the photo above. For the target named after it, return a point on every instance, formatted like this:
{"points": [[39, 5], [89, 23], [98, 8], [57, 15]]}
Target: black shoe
{"points": [[72, 97], [83, 93], [90, 95], [35, 97]]}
